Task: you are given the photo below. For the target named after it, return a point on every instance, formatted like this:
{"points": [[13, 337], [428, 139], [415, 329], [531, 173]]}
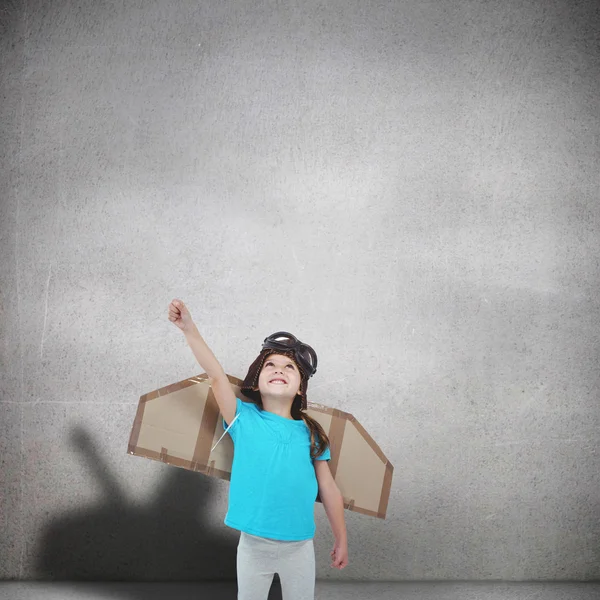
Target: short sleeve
{"points": [[325, 456]]}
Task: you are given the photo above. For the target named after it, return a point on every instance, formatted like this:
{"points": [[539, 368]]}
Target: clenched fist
{"points": [[180, 315]]}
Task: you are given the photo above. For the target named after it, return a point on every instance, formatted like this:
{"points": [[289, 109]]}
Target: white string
{"points": [[230, 424]]}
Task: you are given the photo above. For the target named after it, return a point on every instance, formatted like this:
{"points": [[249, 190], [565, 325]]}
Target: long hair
{"points": [[319, 441]]}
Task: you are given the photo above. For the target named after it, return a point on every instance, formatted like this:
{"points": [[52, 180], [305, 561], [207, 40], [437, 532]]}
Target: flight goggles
{"points": [[304, 354]]}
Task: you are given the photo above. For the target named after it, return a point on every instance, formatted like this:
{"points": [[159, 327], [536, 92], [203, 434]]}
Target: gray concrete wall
{"points": [[410, 187]]}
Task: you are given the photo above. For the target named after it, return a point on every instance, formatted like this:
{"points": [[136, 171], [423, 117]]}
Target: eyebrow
{"points": [[288, 362]]}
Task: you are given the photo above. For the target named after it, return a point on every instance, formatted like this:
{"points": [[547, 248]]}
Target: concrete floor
{"points": [[324, 591]]}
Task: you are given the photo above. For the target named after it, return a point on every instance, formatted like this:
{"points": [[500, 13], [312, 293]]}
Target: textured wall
{"points": [[410, 187]]}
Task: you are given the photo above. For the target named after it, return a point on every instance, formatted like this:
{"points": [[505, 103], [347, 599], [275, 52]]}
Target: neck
{"points": [[278, 406]]}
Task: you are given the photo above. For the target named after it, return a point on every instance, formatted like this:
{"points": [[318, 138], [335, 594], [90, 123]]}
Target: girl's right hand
{"points": [[180, 315]]}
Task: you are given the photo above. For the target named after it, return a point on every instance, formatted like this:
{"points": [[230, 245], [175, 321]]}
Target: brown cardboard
{"points": [[180, 424]]}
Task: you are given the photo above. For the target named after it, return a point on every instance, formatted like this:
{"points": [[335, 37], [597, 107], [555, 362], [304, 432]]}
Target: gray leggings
{"points": [[258, 559]]}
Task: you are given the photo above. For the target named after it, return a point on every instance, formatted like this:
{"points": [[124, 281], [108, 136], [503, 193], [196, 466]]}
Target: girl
{"points": [[279, 465]]}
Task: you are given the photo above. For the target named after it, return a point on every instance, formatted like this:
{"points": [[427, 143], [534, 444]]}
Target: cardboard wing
{"points": [[180, 424]]}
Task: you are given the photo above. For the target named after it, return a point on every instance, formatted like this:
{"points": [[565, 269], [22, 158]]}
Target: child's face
{"points": [[279, 367]]}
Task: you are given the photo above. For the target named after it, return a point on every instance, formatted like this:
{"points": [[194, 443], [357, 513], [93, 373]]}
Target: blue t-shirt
{"points": [[273, 487]]}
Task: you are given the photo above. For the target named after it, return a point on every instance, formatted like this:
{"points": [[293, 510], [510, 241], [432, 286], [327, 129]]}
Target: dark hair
{"points": [[319, 441]]}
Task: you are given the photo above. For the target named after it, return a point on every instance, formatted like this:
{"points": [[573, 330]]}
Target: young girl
{"points": [[279, 465]]}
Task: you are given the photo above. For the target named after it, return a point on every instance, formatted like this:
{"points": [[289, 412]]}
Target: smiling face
{"points": [[279, 377]]}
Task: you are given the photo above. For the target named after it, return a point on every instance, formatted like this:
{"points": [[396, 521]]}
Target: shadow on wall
{"points": [[165, 540]]}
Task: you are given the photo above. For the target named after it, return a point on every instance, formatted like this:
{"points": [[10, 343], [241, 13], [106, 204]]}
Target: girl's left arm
{"points": [[333, 502]]}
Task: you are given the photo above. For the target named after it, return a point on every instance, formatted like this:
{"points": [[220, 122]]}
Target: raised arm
{"points": [[224, 395]]}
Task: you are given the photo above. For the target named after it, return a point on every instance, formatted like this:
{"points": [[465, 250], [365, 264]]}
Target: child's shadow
{"points": [[165, 539]]}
